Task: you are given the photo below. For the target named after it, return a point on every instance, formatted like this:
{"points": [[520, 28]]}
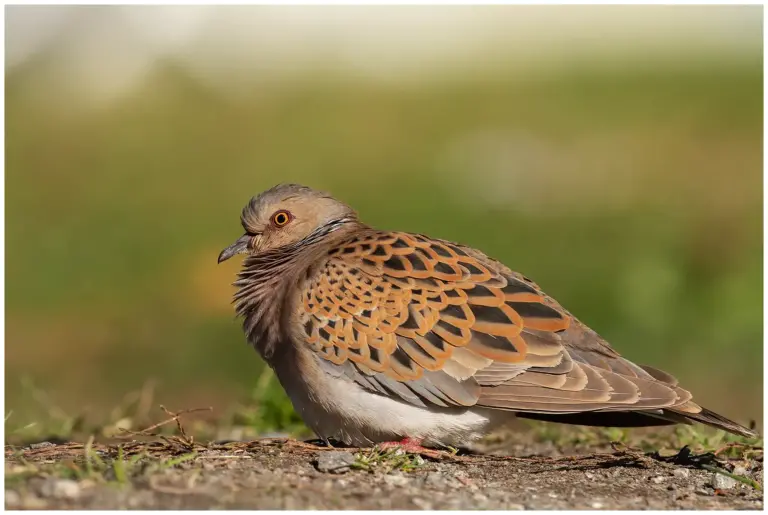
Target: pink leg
{"points": [[407, 444], [413, 445]]}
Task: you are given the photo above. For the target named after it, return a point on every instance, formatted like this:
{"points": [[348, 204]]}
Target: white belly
{"points": [[335, 407]]}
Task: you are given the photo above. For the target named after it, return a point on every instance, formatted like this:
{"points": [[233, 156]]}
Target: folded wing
{"points": [[437, 324]]}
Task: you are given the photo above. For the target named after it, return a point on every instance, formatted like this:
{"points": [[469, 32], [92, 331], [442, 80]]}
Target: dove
{"points": [[386, 337]]}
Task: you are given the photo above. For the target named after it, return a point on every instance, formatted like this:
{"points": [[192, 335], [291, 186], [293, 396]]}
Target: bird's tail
{"points": [[684, 414], [693, 411]]}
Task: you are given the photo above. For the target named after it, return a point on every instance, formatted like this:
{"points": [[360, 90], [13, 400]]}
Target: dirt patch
{"points": [[288, 474]]}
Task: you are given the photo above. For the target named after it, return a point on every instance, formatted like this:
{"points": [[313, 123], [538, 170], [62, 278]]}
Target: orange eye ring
{"points": [[281, 218]]}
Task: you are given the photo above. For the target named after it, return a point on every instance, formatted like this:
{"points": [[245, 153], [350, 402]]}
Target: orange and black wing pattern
{"points": [[428, 319], [400, 304]]}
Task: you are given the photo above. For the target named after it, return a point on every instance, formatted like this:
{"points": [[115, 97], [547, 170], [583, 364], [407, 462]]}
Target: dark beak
{"points": [[238, 247]]}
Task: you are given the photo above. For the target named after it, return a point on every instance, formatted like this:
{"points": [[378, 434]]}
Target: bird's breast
{"points": [[336, 407]]}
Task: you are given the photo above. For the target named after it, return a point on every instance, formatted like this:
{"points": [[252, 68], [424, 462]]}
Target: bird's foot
{"points": [[413, 446]]}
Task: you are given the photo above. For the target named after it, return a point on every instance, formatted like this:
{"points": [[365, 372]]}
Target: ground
{"points": [[536, 469]]}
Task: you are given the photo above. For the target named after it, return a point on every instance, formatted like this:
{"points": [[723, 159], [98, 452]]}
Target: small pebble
{"points": [[395, 479], [40, 445], [589, 475], [681, 473], [335, 462], [596, 505], [740, 471], [721, 482], [658, 480], [60, 488]]}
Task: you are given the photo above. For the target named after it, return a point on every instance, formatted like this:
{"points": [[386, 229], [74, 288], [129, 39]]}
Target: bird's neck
{"points": [[266, 287], [263, 287]]}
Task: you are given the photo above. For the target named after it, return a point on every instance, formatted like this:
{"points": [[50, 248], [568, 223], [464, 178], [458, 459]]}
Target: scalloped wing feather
{"points": [[433, 322]]}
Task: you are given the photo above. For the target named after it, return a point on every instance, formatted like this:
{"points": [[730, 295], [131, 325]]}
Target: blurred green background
{"points": [[627, 183]]}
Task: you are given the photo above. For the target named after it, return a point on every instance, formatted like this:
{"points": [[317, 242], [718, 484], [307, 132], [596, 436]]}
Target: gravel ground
{"points": [[287, 474]]}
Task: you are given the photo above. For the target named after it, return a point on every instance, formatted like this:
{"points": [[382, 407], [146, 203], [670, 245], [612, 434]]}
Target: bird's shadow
{"points": [[621, 457], [637, 459]]}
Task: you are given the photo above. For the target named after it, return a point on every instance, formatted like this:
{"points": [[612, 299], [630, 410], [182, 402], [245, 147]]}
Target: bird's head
{"points": [[287, 215]]}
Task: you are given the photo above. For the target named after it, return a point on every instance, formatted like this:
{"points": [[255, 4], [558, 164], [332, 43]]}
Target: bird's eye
{"points": [[281, 218]]}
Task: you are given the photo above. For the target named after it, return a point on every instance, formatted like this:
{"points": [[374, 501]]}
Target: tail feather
{"points": [[713, 419], [649, 418]]}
